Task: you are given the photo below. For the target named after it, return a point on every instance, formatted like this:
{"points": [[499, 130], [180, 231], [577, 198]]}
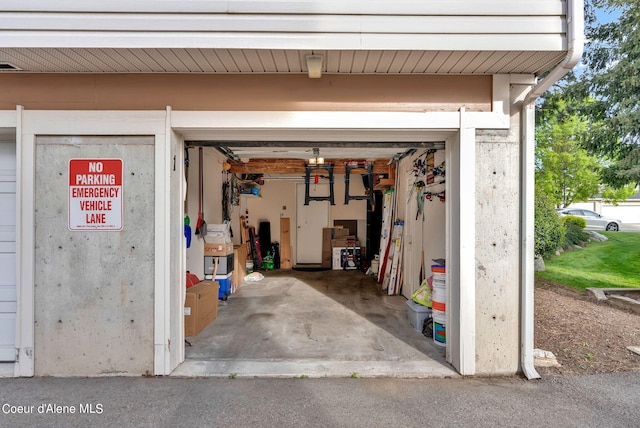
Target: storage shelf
{"points": [[385, 183]]}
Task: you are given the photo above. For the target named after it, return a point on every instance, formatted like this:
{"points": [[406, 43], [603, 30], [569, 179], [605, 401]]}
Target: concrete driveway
{"points": [[630, 227]]}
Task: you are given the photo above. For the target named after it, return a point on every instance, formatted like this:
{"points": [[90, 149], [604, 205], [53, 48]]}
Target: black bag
{"points": [[427, 327]]}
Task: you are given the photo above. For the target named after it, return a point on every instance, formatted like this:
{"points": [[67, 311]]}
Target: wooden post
{"points": [[285, 243]]}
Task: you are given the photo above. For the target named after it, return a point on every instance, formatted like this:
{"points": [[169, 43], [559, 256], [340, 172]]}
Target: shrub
{"points": [[549, 232], [574, 230], [571, 221]]}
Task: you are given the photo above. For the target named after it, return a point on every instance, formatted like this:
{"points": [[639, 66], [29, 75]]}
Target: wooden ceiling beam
{"points": [[297, 166]]}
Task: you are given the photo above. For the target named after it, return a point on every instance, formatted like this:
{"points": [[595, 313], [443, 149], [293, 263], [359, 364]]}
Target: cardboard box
{"points": [[329, 233], [200, 307], [213, 249], [240, 264], [326, 259], [327, 236], [219, 233], [345, 241]]}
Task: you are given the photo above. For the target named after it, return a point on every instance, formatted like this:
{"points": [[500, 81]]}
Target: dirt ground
{"points": [[586, 337]]}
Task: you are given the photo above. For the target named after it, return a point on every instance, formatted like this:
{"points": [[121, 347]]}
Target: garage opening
{"points": [[306, 290]]}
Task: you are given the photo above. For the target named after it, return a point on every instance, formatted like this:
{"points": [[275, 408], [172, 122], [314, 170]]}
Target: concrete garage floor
{"points": [[316, 324]]}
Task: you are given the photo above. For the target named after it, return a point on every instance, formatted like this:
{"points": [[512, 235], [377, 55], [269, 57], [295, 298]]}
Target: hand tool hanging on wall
{"points": [[187, 220], [226, 198], [187, 230], [201, 225]]}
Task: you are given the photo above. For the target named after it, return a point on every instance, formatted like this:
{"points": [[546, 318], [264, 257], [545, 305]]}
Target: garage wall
{"points": [[277, 200], [212, 202], [425, 233], [277, 194], [94, 291]]}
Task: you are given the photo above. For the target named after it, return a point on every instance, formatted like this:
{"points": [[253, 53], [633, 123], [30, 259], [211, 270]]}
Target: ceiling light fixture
{"points": [[316, 159], [314, 65]]}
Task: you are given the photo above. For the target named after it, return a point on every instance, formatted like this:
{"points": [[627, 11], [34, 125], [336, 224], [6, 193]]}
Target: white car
{"points": [[593, 219]]}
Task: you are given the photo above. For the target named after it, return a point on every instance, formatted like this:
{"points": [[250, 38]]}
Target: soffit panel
{"points": [[233, 61]]}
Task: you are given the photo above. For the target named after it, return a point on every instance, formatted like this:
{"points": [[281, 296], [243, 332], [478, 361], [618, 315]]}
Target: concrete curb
{"points": [[622, 302]]}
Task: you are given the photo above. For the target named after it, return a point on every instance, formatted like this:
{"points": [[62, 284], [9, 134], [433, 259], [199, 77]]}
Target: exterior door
{"points": [[7, 251], [310, 219]]}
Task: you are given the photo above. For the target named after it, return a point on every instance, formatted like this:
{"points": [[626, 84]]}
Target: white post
{"points": [[25, 241], [162, 288], [461, 260]]}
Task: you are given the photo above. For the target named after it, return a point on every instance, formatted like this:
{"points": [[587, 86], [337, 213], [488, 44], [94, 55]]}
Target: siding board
{"points": [[453, 24], [402, 7]]}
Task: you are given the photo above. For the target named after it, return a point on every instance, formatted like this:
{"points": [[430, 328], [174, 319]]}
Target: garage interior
{"points": [[306, 319]]}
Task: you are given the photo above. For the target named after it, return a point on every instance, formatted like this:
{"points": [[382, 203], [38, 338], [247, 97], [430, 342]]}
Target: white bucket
{"points": [[439, 328], [375, 265], [249, 266], [437, 276], [439, 296]]}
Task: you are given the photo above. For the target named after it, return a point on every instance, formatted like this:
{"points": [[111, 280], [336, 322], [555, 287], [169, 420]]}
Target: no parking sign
{"points": [[95, 194]]}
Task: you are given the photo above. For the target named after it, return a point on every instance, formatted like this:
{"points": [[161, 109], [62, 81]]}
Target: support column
{"points": [[25, 242], [461, 235]]}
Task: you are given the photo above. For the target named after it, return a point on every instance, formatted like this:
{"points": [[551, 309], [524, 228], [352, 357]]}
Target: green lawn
{"points": [[614, 263]]}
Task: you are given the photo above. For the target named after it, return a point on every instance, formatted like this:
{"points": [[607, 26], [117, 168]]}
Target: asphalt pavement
{"points": [[609, 400]]}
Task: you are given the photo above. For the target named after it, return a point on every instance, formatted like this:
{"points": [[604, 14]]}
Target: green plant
{"points": [[233, 375], [574, 230], [549, 233], [354, 375], [302, 376], [573, 221]]}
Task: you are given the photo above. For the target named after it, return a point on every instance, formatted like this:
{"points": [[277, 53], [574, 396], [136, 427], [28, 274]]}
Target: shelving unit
{"points": [[389, 182]]}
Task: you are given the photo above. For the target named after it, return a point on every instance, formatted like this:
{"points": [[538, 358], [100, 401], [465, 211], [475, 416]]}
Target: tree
{"points": [[612, 77], [565, 172]]}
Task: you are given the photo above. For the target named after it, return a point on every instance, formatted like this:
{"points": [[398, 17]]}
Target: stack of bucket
{"points": [[439, 306]]}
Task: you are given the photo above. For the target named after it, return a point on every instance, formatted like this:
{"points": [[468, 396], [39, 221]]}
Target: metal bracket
{"points": [[307, 181], [348, 166]]}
